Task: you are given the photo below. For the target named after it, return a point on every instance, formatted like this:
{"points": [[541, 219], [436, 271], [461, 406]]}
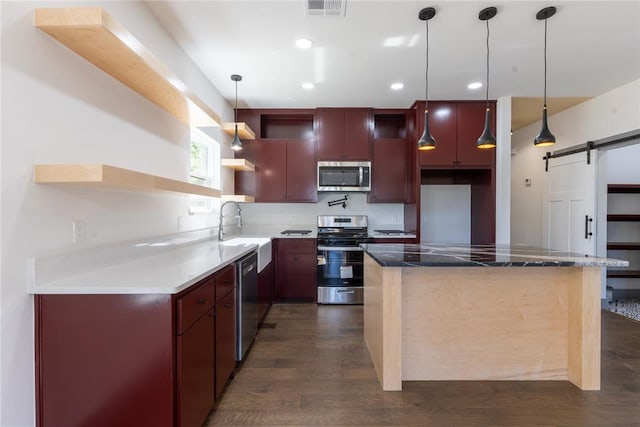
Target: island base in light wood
{"points": [[483, 323]]}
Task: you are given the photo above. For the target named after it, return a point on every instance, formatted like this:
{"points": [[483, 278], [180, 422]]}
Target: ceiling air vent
{"points": [[326, 7]]}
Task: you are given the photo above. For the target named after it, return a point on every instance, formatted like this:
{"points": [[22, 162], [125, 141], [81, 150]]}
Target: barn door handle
{"points": [[587, 220]]}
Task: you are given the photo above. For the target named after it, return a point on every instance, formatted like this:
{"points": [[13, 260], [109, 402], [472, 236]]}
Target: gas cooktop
{"points": [[388, 232]]}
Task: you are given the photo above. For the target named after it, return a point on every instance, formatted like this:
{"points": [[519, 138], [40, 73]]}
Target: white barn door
{"points": [[570, 204]]}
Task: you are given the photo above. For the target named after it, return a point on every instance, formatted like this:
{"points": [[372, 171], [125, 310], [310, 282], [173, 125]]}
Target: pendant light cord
{"points": [[545, 63], [426, 78], [487, 90], [235, 110]]}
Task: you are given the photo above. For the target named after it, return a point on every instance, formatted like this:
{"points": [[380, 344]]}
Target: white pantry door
{"points": [[570, 204]]}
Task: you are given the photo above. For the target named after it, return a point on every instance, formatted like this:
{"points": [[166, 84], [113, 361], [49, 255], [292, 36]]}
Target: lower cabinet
{"points": [[296, 270], [134, 359]]}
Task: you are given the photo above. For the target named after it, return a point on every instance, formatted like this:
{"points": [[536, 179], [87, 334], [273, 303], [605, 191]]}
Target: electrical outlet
{"points": [[79, 232], [180, 223], [394, 219]]}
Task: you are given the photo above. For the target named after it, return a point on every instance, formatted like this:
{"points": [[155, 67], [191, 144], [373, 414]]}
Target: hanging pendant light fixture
{"points": [[487, 140], [426, 141], [545, 137], [236, 144]]}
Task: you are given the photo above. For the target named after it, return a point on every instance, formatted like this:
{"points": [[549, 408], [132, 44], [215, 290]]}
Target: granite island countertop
{"points": [[456, 255]]}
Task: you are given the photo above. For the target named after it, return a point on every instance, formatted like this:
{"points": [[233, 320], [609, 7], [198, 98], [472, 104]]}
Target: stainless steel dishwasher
{"points": [[247, 300]]}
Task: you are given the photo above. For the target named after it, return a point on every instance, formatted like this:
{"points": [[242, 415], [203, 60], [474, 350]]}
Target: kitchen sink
{"points": [[264, 248]]}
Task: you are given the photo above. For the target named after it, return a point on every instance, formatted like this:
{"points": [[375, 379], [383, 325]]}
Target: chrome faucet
{"points": [[221, 233]]}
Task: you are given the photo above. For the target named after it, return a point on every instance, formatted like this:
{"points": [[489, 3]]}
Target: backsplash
{"points": [[306, 213]]}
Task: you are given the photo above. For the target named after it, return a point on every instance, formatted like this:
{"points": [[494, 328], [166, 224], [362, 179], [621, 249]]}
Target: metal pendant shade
{"points": [[545, 137], [487, 140], [236, 144], [426, 141]]}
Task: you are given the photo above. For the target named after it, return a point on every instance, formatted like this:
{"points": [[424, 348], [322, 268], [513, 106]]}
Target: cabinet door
{"points": [[196, 365], [389, 172], [225, 340], [357, 134], [470, 126], [265, 290], [330, 134], [299, 287], [442, 122], [272, 170], [301, 171]]}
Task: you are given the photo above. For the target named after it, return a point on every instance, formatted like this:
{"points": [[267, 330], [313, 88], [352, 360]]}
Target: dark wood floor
{"points": [[313, 369]]}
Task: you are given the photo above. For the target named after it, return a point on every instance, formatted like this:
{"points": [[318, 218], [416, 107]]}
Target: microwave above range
{"points": [[344, 176]]}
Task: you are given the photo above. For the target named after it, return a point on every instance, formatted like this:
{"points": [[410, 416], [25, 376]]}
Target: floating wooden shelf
{"points": [[241, 165], [237, 198], [623, 217], [244, 131], [623, 274], [93, 34], [628, 246], [110, 177], [623, 188]]}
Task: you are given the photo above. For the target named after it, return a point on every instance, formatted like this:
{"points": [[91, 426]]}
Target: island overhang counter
{"points": [[482, 312]]}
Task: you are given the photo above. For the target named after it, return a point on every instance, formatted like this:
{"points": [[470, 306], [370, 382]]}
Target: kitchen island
{"points": [[470, 312]]}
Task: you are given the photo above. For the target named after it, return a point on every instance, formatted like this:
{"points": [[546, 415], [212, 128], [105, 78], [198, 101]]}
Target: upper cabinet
{"points": [[344, 133], [390, 166], [93, 34], [456, 126]]}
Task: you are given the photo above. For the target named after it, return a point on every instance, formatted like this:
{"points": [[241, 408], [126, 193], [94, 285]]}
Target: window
{"points": [[205, 168]]}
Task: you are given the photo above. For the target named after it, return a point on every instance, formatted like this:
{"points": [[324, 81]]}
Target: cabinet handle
{"points": [[201, 300], [587, 220], [227, 306]]}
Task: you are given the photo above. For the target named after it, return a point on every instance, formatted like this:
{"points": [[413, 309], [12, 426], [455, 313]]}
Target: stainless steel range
{"points": [[340, 258]]}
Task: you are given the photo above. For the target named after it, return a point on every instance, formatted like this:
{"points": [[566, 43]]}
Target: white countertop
{"points": [[166, 273]]}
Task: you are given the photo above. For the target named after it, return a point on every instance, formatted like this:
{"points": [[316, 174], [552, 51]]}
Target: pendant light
{"points": [[487, 140], [545, 137], [236, 145], [426, 141]]}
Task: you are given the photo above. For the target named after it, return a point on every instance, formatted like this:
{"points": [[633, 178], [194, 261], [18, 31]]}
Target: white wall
{"points": [[57, 107], [610, 114]]}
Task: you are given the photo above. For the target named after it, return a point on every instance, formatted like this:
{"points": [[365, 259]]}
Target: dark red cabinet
{"points": [[456, 126], [296, 269], [196, 371], [389, 170], [129, 360], [344, 133], [225, 340], [286, 171]]}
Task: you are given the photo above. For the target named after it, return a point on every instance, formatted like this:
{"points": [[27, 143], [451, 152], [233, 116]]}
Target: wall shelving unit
{"points": [[241, 165], [244, 131], [627, 217], [103, 176]]}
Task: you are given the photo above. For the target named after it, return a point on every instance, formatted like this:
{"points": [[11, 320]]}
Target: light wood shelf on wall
{"points": [[241, 165], [237, 198], [110, 177], [244, 131], [93, 34]]}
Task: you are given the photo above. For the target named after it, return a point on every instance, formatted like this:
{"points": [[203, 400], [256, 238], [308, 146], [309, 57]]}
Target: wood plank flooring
{"points": [[313, 369]]}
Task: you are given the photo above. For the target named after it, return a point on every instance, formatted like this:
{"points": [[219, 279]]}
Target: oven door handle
{"points": [[341, 248]]}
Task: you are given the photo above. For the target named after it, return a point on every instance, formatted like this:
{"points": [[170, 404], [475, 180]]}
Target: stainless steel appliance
{"points": [[247, 300], [344, 176], [340, 270]]}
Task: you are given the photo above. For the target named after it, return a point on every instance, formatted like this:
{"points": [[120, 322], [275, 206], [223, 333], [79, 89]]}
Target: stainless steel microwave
{"points": [[344, 176]]}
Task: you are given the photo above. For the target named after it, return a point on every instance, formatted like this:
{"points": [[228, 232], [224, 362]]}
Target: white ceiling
{"points": [[593, 47]]}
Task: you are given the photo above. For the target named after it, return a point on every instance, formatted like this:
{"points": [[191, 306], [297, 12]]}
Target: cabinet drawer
{"points": [[225, 281], [194, 304], [294, 264], [297, 246]]}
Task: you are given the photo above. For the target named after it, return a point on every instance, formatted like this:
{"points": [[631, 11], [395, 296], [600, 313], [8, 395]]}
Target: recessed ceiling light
{"points": [[397, 86], [474, 85], [304, 43], [308, 85]]}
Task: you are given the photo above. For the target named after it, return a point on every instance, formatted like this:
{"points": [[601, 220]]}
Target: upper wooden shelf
{"points": [[93, 34], [239, 198], [244, 131], [111, 177], [238, 164]]}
